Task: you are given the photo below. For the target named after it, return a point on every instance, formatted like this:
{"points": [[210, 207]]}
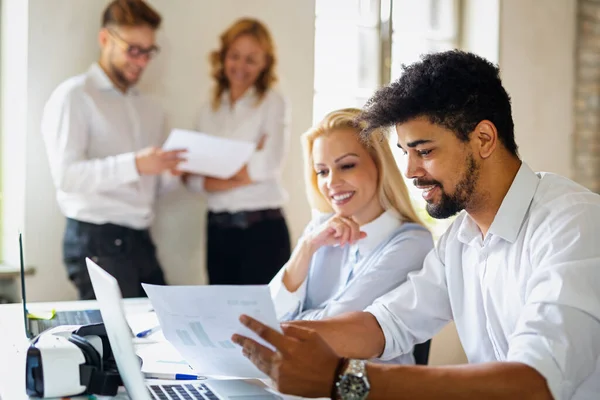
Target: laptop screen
{"points": [[109, 299], [23, 295]]}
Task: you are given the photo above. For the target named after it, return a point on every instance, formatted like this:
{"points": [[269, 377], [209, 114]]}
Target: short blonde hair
{"points": [[241, 27], [392, 191]]}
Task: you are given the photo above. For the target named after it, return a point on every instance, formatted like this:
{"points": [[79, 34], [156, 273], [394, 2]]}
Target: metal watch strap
{"points": [[354, 367]]}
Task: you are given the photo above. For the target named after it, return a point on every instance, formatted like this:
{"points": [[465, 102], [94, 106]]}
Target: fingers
{"points": [[270, 335], [258, 354], [261, 143], [354, 229], [174, 153], [346, 230]]}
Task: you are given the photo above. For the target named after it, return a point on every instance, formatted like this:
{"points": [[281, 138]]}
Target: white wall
{"points": [[60, 41], [537, 48]]}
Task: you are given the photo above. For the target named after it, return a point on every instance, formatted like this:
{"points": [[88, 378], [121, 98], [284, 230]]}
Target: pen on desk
{"points": [[173, 377], [147, 332]]}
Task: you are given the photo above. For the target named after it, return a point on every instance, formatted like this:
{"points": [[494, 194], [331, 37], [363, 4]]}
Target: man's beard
{"points": [[120, 77], [450, 205]]}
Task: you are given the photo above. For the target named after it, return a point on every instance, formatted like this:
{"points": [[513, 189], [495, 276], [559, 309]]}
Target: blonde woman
{"points": [[366, 236], [248, 238]]}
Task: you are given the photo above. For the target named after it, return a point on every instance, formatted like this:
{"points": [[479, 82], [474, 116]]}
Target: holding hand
{"points": [[155, 161], [303, 363], [337, 230], [261, 143]]}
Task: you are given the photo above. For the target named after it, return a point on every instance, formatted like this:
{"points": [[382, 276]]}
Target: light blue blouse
{"points": [[350, 278]]}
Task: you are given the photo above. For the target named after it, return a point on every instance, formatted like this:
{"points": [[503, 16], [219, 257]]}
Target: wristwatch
{"points": [[352, 383]]}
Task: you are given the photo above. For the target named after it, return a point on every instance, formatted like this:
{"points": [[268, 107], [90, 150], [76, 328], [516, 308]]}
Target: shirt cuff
{"points": [[127, 169], [195, 183], [534, 353], [287, 304], [389, 352]]}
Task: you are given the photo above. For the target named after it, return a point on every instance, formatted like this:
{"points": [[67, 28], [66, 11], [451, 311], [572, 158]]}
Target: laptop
{"points": [[34, 327], [110, 300]]}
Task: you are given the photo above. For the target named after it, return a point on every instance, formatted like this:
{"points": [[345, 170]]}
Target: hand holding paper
{"points": [[210, 155], [199, 322]]}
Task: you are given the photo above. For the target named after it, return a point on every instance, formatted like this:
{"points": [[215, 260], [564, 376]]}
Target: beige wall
{"points": [[50, 41], [537, 47]]}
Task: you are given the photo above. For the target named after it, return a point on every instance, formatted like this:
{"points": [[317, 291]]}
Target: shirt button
{"points": [[95, 259], [118, 242]]}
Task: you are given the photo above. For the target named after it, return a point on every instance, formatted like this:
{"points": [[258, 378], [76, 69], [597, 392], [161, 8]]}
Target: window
{"points": [[360, 45], [347, 54]]}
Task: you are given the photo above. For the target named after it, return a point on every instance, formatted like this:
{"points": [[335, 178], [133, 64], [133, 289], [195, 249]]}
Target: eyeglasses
{"points": [[133, 50]]}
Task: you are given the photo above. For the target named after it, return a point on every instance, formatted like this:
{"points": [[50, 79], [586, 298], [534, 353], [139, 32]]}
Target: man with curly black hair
{"points": [[518, 271]]}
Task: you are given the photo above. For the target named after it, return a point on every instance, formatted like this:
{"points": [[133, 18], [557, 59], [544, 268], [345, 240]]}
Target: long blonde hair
{"points": [[391, 189], [256, 29]]}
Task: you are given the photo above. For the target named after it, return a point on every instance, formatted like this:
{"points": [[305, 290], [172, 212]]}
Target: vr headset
{"points": [[64, 362]]}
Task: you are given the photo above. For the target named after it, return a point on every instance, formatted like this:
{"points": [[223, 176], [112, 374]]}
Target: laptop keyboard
{"points": [[83, 317], [187, 392]]}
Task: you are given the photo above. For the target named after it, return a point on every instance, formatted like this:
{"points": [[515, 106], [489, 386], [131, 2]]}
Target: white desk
{"points": [[14, 343]]}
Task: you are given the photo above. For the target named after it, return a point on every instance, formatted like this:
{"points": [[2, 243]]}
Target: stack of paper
{"points": [[210, 155]]}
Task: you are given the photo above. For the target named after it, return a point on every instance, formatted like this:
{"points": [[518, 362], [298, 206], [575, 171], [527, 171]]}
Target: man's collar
{"points": [[511, 214]]}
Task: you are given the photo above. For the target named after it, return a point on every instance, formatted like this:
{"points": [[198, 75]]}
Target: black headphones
{"points": [[99, 373], [92, 357]]}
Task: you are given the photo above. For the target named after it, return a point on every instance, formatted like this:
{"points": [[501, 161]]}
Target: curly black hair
{"points": [[453, 89]]}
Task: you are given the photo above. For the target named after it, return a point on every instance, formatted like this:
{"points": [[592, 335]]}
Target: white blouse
{"points": [[250, 119]]}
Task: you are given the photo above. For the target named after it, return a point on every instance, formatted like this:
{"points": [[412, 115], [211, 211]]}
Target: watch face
{"points": [[352, 387]]}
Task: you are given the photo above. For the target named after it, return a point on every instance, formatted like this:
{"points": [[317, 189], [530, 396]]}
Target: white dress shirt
{"points": [[349, 278], [250, 119], [92, 131], [528, 292]]}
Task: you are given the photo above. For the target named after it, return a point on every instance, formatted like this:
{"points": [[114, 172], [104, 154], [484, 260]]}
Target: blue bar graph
{"points": [[185, 337], [227, 344], [201, 335]]}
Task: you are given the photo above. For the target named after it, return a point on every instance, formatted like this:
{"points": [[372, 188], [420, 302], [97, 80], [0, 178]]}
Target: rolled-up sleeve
{"points": [[267, 163], [287, 304], [558, 332], [416, 310]]}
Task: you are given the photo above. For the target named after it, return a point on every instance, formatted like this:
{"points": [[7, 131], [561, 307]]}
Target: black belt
{"points": [[242, 219]]}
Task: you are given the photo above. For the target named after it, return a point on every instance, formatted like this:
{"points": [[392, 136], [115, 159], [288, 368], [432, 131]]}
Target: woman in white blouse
{"points": [[365, 237], [248, 238]]}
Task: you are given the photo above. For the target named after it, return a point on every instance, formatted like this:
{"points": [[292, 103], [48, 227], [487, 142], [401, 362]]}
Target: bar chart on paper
{"points": [[202, 334], [197, 336]]}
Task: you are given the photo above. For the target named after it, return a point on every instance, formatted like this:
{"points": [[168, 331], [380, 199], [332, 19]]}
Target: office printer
{"points": [[69, 361]]}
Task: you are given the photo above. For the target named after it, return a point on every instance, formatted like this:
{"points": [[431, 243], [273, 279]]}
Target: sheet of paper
{"points": [[210, 155], [199, 321]]}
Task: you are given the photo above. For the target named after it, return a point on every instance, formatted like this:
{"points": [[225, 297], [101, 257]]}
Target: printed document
{"points": [[210, 155], [200, 320]]}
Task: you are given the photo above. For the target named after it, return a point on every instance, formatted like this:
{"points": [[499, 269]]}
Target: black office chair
{"points": [[421, 352]]}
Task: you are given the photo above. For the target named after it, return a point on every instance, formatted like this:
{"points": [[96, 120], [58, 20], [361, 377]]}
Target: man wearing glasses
{"points": [[102, 139]]}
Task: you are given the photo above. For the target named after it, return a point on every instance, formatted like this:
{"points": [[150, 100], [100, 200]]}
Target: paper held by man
{"points": [[210, 155], [200, 320]]}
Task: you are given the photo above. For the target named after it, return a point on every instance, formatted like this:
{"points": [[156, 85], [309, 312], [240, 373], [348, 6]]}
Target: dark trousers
{"points": [[127, 254], [246, 248]]}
